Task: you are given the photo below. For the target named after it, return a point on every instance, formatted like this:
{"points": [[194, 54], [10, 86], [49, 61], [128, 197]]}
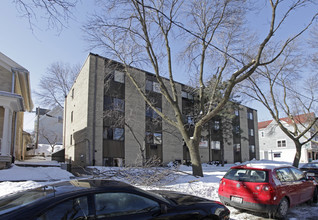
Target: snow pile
{"points": [[16, 173]]}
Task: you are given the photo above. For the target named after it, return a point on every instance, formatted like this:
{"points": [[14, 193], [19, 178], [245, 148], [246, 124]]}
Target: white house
{"points": [[274, 144], [51, 127]]}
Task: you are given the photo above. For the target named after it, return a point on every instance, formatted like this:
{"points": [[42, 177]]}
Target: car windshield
{"points": [[15, 201], [247, 175]]}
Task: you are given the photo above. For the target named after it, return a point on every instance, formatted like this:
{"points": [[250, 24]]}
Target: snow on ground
{"points": [[206, 186]]}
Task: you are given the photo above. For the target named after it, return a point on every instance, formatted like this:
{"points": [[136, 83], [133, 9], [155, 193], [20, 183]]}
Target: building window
{"points": [[237, 147], [216, 125], [190, 120], [71, 116], [157, 138], [251, 132], [119, 76], [252, 148], [153, 138], [71, 139], [186, 95], [215, 145], [236, 129], [152, 86], [73, 93], [152, 113], [236, 112], [114, 134], [277, 155], [281, 143], [114, 104], [250, 115], [118, 134]]}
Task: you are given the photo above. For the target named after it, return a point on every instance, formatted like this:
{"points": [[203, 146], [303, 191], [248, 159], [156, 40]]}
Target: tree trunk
{"points": [[195, 159], [297, 155]]}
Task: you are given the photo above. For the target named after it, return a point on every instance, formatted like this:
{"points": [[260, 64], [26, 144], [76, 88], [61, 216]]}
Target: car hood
{"points": [[180, 198]]}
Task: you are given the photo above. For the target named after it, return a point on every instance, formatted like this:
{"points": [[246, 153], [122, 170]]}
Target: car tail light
{"points": [[262, 187]]}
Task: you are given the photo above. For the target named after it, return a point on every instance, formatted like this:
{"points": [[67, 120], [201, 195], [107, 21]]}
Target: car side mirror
{"points": [[163, 208]]}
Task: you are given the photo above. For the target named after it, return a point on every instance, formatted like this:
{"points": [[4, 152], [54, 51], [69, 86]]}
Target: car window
{"points": [[119, 203], [70, 209], [247, 175], [298, 174], [284, 175]]}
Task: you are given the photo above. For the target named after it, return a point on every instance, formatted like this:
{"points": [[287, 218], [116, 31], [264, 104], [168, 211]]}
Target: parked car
{"points": [[106, 199], [266, 188], [311, 167]]}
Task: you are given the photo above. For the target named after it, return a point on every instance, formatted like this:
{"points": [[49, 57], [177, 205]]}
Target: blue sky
{"points": [[37, 50]]}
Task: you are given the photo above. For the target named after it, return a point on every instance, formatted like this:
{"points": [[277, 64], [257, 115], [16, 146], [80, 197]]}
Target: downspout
{"points": [[14, 136], [94, 110], [13, 81], [64, 121]]}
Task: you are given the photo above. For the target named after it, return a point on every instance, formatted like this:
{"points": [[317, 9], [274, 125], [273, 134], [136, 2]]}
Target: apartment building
{"points": [[107, 122]]}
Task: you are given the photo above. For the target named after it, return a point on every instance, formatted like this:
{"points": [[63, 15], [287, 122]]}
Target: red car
{"points": [[266, 187]]}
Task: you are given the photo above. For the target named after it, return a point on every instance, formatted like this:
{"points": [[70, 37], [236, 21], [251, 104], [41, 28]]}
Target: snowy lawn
{"points": [[183, 181]]}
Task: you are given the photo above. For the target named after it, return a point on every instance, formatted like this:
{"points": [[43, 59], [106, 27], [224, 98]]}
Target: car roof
{"points": [[262, 164]]}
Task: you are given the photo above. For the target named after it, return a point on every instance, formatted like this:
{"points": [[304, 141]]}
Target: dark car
{"points": [[266, 187], [106, 199], [311, 167]]}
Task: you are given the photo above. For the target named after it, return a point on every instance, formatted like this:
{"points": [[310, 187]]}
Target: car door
{"points": [[305, 188], [289, 187], [72, 208]]}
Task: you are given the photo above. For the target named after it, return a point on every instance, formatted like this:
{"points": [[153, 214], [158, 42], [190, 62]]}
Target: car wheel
{"points": [[282, 208]]}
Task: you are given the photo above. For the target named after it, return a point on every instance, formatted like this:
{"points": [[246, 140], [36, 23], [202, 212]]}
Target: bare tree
{"points": [[55, 12], [211, 37], [50, 136], [56, 84], [280, 88]]}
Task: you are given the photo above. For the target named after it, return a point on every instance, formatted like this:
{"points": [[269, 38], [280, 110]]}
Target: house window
{"points": [[262, 134], [71, 139], [119, 77], [152, 86], [59, 119], [71, 116], [250, 115], [251, 132], [281, 143], [215, 145], [277, 155]]}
